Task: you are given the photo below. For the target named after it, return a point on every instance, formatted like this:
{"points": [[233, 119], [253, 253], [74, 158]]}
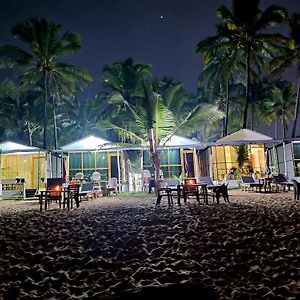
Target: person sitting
{"points": [[151, 183]]}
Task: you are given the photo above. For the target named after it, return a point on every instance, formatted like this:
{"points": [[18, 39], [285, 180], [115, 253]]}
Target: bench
{"points": [[13, 188]]}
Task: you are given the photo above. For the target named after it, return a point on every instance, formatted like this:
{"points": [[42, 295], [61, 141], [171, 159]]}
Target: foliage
{"points": [[240, 40], [288, 57], [41, 67], [242, 155]]}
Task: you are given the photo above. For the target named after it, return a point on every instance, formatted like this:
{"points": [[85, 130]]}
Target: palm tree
{"points": [[289, 57], [77, 118], [242, 36], [47, 45], [124, 78], [279, 105], [220, 65], [19, 111], [150, 121], [141, 114], [8, 102]]}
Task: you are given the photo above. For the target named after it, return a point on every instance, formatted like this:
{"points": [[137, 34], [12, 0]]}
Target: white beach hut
{"points": [[20, 166], [94, 154]]}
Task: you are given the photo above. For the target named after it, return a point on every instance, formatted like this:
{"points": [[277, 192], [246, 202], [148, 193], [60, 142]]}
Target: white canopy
{"points": [[179, 142], [11, 147], [89, 143], [244, 136]]}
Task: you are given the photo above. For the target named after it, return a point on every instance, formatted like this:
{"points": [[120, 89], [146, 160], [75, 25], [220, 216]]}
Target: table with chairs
{"points": [[189, 188], [193, 188], [57, 191]]}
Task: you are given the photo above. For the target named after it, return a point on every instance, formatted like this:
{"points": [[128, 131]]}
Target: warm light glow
{"points": [[191, 181]]}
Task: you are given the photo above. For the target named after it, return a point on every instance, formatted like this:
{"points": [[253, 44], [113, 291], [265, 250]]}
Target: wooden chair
{"points": [[190, 189], [53, 191], [163, 190], [71, 195]]}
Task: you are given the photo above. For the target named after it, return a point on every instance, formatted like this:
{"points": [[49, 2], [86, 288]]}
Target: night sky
{"points": [[163, 33]]}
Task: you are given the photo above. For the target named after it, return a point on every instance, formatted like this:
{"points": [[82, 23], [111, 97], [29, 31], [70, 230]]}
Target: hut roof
{"points": [[12, 147], [89, 143]]}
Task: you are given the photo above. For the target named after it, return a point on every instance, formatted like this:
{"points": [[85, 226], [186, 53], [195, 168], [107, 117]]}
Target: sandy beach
{"points": [[126, 248]]}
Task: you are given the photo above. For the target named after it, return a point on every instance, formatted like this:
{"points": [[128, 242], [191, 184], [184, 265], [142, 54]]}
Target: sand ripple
{"points": [[127, 248]]}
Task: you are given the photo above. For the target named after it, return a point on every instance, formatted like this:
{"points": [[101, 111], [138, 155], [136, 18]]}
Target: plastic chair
{"points": [[78, 177], [96, 177], [112, 185]]}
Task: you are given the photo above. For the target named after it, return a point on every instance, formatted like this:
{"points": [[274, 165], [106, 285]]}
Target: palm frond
{"points": [[11, 56], [121, 131]]}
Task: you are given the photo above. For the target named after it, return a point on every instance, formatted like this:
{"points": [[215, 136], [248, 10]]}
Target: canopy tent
{"points": [[12, 147], [224, 155], [89, 143], [176, 141], [244, 136]]}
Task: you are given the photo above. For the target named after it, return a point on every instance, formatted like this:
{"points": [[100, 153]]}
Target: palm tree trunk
{"points": [[55, 126], [252, 117], [283, 127], [276, 128], [227, 109], [296, 109], [45, 109], [29, 133], [154, 153], [247, 87], [156, 164], [222, 108]]}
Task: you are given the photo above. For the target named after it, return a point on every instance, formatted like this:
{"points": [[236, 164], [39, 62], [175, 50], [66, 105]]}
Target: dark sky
{"points": [[116, 29]]}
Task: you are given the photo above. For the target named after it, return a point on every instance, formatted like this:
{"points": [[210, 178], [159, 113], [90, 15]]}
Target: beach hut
{"points": [[94, 154], [179, 157], [223, 155], [284, 158], [22, 167]]}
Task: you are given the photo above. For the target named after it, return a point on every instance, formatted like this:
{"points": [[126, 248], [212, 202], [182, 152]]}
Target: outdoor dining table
{"points": [[45, 198], [199, 189]]}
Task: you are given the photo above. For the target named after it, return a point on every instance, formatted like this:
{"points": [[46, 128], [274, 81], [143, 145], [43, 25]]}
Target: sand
{"points": [[126, 248]]}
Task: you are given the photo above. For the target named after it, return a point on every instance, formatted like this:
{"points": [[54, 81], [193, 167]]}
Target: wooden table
{"points": [[198, 189], [164, 191], [46, 197]]}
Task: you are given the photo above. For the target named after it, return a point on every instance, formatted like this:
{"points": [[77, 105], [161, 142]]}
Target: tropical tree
{"points": [[77, 117], [124, 79], [289, 57], [146, 112], [42, 67], [8, 103], [279, 105], [241, 34], [220, 65], [24, 109]]}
